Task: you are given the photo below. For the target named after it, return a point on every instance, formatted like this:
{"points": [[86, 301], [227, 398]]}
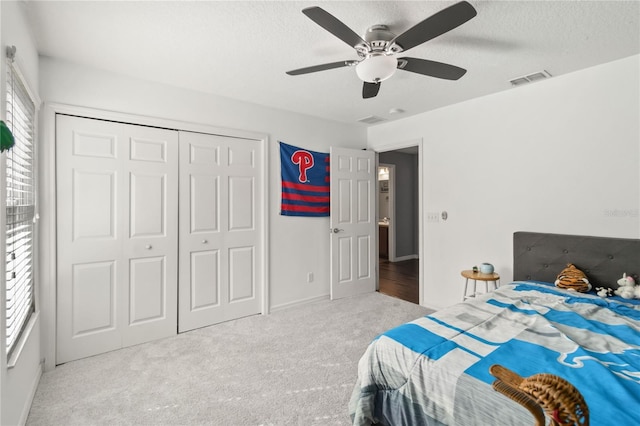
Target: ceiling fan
{"points": [[378, 49]]}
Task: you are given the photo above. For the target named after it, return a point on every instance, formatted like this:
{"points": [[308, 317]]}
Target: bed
{"points": [[435, 370]]}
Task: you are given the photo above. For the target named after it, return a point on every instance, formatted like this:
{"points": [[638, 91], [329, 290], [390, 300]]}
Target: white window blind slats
{"points": [[21, 250], [16, 296], [20, 310], [22, 152], [20, 209], [21, 247], [21, 119], [17, 215]]}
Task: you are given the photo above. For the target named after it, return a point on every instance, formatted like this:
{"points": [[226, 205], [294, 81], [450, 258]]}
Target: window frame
{"points": [[16, 81]]}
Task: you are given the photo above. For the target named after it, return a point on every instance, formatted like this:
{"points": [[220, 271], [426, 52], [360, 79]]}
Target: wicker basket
{"points": [[543, 393]]}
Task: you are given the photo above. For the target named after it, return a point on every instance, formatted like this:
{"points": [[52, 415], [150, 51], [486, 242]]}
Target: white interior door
{"points": [[221, 211], [353, 222], [116, 235]]}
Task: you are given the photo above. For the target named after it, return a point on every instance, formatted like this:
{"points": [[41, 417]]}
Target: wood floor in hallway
{"points": [[400, 279]]}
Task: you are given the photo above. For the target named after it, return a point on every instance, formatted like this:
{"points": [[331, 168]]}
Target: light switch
{"points": [[433, 217]]}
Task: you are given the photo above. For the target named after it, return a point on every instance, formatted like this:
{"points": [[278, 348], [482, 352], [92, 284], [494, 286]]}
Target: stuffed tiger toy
{"points": [[572, 278]]}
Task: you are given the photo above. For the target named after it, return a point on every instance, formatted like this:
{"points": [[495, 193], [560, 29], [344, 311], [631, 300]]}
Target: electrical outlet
{"points": [[433, 217], [310, 277]]}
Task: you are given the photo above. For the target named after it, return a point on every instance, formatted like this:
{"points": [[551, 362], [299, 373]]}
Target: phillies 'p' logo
{"points": [[304, 160]]}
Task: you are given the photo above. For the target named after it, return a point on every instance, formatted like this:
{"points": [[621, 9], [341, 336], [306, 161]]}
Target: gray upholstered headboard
{"points": [[540, 257]]}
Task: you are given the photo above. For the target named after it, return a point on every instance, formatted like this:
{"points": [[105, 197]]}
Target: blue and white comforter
{"points": [[435, 370]]}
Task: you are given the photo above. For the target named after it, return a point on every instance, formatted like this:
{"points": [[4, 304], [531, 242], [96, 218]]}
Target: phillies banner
{"points": [[305, 182]]}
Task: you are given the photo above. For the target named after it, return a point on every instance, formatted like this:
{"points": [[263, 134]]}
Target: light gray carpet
{"points": [[294, 367]]}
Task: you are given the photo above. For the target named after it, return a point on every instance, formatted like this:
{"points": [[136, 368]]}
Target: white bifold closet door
{"points": [[221, 218], [117, 235]]}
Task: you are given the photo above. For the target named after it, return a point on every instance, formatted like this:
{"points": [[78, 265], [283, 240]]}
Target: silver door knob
{"points": [[204, 241], [148, 247], [336, 230]]}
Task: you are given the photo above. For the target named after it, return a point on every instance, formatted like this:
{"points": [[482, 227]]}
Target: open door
{"points": [[353, 223]]}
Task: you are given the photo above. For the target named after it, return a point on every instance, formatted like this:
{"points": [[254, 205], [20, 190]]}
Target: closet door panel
{"points": [[148, 205], [147, 287], [243, 236], [116, 235], [241, 274], [94, 204], [203, 204], [204, 284], [201, 258], [89, 213], [151, 245], [93, 289], [241, 203], [218, 193]]}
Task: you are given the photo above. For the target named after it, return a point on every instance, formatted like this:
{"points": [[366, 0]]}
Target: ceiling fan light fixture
{"points": [[376, 51], [376, 68]]}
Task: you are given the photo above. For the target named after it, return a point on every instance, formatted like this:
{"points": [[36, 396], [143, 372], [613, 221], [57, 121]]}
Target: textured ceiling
{"points": [[241, 49]]}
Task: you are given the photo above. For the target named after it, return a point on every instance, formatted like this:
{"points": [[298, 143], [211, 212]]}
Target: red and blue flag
{"points": [[305, 182]]}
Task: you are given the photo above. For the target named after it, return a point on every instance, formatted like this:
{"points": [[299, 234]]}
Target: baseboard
{"points": [[407, 257], [434, 308], [288, 305], [34, 387]]}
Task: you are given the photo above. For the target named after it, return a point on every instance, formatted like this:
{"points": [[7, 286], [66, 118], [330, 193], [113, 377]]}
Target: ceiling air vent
{"points": [[371, 119], [530, 78]]}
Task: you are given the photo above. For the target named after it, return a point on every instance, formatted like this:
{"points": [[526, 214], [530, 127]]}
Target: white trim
{"points": [[47, 201], [421, 250], [391, 146], [3, 225], [266, 288], [433, 308], [24, 336], [144, 120], [47, 227], [17, 68], [299, 303], [32, 393], [376, 213]]}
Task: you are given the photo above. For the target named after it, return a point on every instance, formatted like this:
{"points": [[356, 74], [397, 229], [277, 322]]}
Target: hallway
{"points": [[400, 279]]}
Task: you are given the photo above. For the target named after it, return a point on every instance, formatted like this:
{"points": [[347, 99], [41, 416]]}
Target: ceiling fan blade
{"points": [[431, 68], [333, 25], [370, 90], [321, 67], [435, 25]]}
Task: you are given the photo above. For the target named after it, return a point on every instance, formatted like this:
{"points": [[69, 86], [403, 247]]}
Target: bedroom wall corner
{"points": [[558, 156]]}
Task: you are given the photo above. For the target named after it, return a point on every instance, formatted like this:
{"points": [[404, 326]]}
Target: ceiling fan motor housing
{"points": [[379, 39]]}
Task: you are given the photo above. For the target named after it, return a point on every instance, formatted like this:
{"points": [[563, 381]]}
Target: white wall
{"points": [[560, 155], [17, 384], [297, 245]]}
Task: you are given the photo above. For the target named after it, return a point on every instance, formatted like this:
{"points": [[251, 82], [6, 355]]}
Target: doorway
{"points": [[398, 224]]}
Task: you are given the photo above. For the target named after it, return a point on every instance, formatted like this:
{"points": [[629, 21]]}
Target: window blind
{"points": [[20, 206]]}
